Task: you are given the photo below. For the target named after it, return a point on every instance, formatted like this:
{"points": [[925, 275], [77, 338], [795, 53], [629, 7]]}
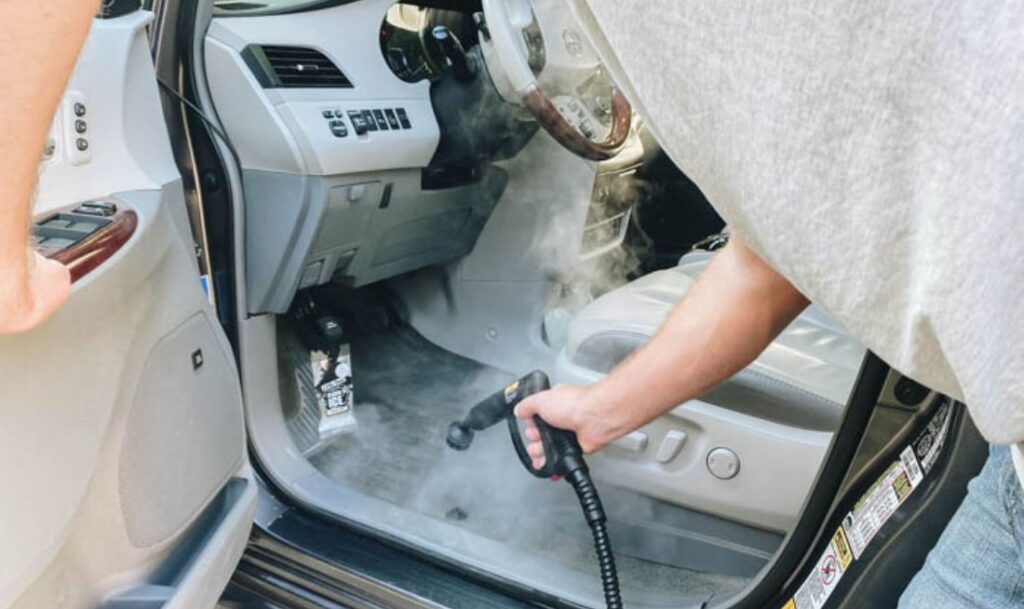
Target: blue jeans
{"points": [[978, 562]]}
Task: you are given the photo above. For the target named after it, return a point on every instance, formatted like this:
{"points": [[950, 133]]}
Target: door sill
{"points": [[297, 560]]}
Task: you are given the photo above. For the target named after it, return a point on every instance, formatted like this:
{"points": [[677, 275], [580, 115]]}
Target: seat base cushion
{"points": [[802, 379]]}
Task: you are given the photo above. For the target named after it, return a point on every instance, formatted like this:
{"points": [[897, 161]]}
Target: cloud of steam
{"points": [[593, 246]]}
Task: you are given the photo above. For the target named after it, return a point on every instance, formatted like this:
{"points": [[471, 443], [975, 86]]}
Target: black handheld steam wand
{"points": [[563, 457]]}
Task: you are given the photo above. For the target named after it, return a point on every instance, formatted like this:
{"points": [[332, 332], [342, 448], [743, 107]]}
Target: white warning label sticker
{"points": [[909, 462], [821, 583], [877, 506], [873, 510]]}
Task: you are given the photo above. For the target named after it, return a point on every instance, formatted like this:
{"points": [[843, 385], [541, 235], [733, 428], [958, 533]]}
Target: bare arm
{"points": [[736, 308], [39, 44]]}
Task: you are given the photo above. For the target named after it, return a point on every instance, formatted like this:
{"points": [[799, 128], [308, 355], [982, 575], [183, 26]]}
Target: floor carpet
{"points": [[407, 392]]}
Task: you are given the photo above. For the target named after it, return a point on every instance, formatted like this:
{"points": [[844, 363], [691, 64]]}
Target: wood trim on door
{"points": [[84, 256]]}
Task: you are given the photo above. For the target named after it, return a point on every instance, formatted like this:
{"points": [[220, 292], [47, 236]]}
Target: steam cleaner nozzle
{"points": [[459, 437], [563, 458]]}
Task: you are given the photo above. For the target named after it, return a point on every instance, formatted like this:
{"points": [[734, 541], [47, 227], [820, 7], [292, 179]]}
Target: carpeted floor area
{"points": [[407, 392]]}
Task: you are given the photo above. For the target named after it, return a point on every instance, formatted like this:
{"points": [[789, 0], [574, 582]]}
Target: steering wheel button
{"points": [[328, 113]]}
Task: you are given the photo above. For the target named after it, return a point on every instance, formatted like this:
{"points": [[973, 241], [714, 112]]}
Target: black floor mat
{"points": [[407, 392]]}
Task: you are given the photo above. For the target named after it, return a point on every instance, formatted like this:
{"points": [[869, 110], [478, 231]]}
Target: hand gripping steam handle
{"points": [[563, 457]]}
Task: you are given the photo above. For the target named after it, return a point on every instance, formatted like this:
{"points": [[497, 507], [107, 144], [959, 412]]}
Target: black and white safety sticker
{"points": [[872, 510]]}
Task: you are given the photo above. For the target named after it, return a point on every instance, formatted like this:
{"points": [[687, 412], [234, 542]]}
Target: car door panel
{"points": [[121, 417]]}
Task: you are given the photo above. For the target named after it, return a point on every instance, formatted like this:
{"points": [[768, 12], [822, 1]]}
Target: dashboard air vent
{"points": [[293, 67]]}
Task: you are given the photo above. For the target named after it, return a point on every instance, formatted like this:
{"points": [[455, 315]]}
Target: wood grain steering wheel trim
{"points": [[554, 123]]}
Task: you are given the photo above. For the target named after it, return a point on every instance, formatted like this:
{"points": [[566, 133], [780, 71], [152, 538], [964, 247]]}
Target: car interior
{"points": [[403, 203]]}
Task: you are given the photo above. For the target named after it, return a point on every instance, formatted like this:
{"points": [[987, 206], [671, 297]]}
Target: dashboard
{"points": [[331, 114], [256, 66]]}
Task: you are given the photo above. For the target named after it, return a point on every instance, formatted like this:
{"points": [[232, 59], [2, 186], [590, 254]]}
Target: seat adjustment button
{"points": [[723, 463], [633, 442], [671, 445]]}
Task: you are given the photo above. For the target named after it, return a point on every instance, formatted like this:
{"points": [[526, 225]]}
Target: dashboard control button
{"points": [[339, 114], [81, 126], [359, 125], [82, 144], [370, 122], [79, 109], [382, 122], [403, 118], [392, 119], [328, 113], [338, 128]]}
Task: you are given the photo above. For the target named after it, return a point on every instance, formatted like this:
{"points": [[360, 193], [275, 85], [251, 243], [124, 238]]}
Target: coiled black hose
{"points": [[594, 513]]}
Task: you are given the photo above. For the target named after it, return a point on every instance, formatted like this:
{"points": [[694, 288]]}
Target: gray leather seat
{"points": [[803, 379]]}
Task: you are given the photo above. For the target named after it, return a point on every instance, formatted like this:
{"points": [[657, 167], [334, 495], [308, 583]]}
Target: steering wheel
{"points": [[538, 58]]}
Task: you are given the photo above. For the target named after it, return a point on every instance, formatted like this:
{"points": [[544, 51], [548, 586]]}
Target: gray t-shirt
{"points": [[872, 152]]}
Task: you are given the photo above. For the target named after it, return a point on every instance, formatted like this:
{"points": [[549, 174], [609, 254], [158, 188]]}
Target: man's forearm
{"points": [[736, 308], [44, 37]]}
